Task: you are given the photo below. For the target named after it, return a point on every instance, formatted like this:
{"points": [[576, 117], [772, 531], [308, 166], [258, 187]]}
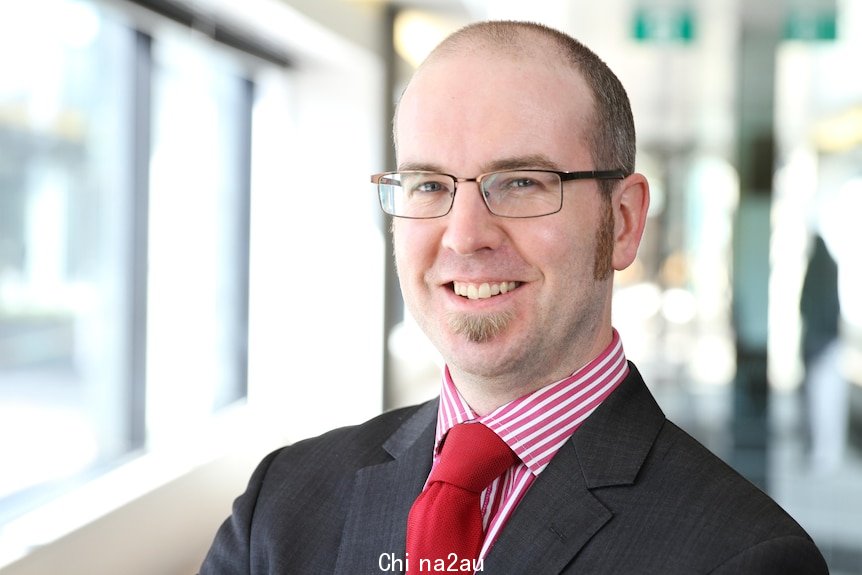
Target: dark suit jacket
{"points": [[629, 493]]}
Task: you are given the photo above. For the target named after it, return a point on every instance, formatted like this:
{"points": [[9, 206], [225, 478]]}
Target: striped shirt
{"points": [[534, 426]]}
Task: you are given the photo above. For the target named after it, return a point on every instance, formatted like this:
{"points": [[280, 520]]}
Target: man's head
{"points": [[516, 303], [612, 130]]}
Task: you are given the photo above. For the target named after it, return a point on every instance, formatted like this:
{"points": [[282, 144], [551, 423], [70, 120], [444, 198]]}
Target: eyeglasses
{"points": [[508, 193]]}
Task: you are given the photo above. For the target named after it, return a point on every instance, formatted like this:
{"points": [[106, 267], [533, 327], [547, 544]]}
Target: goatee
{"points": [[480, 328]]}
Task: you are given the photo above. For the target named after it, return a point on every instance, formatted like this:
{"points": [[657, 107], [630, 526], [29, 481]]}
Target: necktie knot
{"points": [[446, 518], [472, 457]]}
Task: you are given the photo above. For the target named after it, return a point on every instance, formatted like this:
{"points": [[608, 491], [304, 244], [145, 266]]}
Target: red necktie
{"points": [[446, 518]]}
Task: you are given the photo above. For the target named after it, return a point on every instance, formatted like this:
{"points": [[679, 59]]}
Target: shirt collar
{"points": [[537, 424]]}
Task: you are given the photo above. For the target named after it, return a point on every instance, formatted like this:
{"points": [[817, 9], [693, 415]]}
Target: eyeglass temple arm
{"points": [[593, 175], [382, 179]]}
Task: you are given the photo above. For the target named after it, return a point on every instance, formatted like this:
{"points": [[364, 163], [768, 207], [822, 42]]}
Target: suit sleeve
{"points": [[230, 553], [790, 555]]}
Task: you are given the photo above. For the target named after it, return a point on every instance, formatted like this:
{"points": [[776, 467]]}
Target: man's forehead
{"points": [[474, 71], [453, 80], [475, 104], [537, 53]]}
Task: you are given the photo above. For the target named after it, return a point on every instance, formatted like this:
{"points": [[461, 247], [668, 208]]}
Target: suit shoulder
{"points": [[699, 512], [298, 498], [720, 495], [350, 446]]}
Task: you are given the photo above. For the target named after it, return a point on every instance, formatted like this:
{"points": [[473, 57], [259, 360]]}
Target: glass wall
{"points": [[65, 247], [816, 293], [198, 240], [124, 208]]}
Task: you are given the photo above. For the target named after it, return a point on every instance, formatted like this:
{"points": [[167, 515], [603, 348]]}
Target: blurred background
{"points": [[189, 247]]}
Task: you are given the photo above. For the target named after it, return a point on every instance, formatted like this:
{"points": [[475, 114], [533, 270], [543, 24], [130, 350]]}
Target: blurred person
{"points": [[825, 393], [545, 452]]}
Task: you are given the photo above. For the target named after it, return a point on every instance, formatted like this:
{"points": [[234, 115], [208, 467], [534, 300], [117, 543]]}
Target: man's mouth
{"points": [[484, 290]]}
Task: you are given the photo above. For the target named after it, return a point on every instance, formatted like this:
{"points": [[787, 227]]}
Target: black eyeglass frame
{"points": [[564, 177]]}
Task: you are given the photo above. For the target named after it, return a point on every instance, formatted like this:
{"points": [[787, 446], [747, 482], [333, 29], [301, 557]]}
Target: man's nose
{"points": [[470, 226]]}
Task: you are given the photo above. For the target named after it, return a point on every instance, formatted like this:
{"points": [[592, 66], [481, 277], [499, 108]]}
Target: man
{"points": [[508, 265]]}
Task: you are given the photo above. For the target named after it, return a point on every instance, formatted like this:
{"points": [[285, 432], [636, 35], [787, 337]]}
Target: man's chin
{"points": [[480, 328]]}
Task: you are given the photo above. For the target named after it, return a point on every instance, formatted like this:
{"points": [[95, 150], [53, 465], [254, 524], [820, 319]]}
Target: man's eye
{"points": [[429, 186], [517, 183]]}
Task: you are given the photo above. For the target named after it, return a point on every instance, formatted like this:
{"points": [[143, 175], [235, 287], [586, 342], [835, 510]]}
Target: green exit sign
{"points": [[664, 24], [810, 25]]}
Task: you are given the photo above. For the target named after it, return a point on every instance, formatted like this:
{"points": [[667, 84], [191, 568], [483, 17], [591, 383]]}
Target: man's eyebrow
{"points": [[538, 161], [420, 167]]}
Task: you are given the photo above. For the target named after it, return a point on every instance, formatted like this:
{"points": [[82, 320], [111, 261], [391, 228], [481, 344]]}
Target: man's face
{"points": [[467, 115]]}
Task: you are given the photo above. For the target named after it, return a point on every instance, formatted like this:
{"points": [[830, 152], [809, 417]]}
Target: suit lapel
{"points": [[560, 513], [383, 494], [557, 516]]}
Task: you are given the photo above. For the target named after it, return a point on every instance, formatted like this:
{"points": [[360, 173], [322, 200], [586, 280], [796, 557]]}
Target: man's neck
{"points": [[484, 394]]}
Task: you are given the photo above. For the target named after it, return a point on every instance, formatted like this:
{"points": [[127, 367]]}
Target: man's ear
{"points": [[630, 202]]}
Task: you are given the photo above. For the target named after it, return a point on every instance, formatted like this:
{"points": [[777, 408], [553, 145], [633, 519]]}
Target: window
{"points": [[65, 321], [124, 199], [198, 240]]}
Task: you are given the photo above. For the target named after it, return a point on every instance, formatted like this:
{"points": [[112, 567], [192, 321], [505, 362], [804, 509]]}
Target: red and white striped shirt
{"points": [[534, 426]]}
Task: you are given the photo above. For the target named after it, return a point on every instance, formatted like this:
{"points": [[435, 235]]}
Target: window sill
{"points": [[156, 514]]}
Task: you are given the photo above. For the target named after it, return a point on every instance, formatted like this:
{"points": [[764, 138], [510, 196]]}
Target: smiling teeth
{"points": [[483, 291]]}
